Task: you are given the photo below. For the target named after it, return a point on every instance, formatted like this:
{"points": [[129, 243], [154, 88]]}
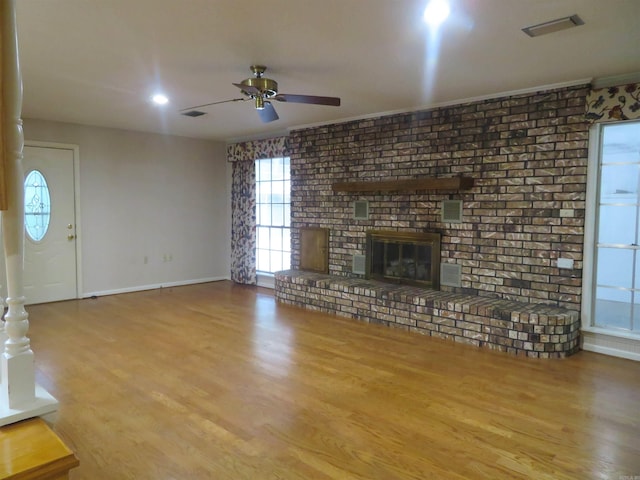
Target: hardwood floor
{"points": [[216, 381]]}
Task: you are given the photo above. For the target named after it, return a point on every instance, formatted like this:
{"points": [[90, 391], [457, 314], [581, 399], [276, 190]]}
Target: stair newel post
{"points": [[20, 397], [3, 334], [17, 359]]}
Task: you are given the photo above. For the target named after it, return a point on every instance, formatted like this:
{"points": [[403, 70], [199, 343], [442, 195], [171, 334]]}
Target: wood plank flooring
{"points": [[217, 381]]}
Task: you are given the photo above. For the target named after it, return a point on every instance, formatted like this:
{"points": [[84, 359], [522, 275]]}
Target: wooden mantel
{"points": [[428, 183]]}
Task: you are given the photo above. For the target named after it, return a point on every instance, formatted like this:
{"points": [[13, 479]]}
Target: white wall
{"points": [[147, 195]]}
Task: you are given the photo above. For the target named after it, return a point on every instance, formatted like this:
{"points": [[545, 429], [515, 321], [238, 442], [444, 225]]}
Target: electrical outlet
{"points": [[565, 263]]}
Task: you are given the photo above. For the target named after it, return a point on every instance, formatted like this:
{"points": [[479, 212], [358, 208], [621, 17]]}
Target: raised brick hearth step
{"points": [[531, 329]]}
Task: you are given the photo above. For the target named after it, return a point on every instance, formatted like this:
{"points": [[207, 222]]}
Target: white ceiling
{"points": [[97, 62]]}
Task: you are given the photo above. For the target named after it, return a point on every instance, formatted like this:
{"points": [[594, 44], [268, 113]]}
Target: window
{"points": [[273, 215], [37, 206], [616, 285]]}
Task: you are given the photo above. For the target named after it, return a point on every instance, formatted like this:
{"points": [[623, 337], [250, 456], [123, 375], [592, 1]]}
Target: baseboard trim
{"points": [[266, 281], [613, 345], [155, 286]]}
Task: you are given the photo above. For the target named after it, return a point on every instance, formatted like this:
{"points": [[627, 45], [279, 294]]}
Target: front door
{"points": [[50, 225]]}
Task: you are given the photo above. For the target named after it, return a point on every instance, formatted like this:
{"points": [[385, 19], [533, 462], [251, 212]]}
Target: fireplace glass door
{"points": [[411, 258]]}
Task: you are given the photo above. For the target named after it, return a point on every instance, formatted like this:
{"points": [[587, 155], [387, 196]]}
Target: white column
{"points": [[20, 397]]}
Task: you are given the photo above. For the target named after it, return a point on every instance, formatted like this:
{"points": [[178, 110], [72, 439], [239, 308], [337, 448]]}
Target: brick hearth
{"points": [[527, 329]]}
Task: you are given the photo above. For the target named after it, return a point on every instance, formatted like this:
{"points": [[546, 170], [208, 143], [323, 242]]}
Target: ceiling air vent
{"points": [[193, 113], [361, 210], [450, 274], [358, 264], [553, 26], [452, 211]]}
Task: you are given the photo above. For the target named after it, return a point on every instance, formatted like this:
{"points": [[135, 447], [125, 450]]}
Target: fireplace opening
{"points": [[404, 257]]}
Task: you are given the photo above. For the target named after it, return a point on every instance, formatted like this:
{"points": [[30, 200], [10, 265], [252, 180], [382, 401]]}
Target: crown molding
{"points": [[625, 79]]}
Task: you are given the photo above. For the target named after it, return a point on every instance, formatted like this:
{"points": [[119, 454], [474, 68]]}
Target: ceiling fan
{"points": [[262, 90]]}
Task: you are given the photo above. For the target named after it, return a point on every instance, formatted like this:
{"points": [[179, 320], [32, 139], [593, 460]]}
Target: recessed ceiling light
{"points": [[436, 12], [160, 99], [553, 26]]}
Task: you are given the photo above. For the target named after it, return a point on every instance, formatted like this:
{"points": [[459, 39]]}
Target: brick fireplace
{"points": [[527, 156]]}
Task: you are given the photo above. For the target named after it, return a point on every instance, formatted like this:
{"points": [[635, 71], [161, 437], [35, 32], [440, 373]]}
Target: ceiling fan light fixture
{"points": [[261, 90], [553, 26]]}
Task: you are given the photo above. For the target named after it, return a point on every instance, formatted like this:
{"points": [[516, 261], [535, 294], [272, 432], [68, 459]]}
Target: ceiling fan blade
{"points": [[214, 103], [310, 99], [268, 113], [250, 89]]}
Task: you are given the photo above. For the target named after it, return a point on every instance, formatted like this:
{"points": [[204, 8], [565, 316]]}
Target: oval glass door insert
{"points": [[37, 205]]}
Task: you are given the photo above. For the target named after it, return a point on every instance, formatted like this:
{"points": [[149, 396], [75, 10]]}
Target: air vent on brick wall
{"points": [[361, 210], [452, 211], [450, 274], [359, 264]]}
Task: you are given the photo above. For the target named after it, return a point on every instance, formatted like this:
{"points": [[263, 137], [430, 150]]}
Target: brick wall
{"points": [[528, 156]]}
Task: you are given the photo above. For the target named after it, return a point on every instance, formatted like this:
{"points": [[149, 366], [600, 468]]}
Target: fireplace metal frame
{"points": [[414, 238]]}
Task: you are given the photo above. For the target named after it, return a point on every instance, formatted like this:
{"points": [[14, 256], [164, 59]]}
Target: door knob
{"points": [[71, 236]]}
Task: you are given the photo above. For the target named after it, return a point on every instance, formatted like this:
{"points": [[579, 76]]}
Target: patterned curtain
{"points": [[243, 222], [614, 103], [243, 203]]}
